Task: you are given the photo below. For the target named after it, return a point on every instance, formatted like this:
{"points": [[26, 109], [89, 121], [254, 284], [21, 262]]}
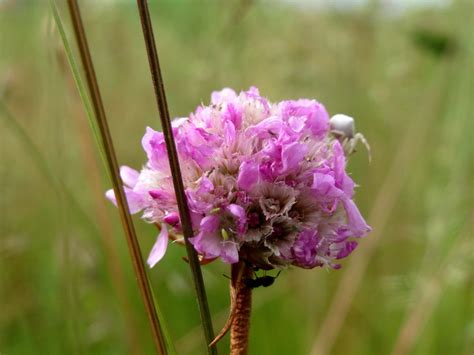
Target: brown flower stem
{"points": [[230, 319], [242, 294]]}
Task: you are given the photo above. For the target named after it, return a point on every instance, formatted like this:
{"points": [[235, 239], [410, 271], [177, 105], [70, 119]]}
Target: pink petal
{"points": [[135, 200], [297, 123], [342, 180], [160, 195], [129, 176], [324, 185], [355, 220], [208, 244], [205, 185], [233, 114], [239, 213], [268, 128], [237, 210], [229, 133], [225, 95], [345, 249], [159, 249], [171, 218], [248, 175], [110, 195], [229, 252], [292, 154], [210, 224], [153, 143]]}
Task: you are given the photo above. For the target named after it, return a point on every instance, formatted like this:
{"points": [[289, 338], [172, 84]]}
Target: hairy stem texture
{"points": [[239, 332]]}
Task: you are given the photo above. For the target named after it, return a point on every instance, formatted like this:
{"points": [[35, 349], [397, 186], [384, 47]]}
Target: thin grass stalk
{"points": [[30, 146], [160, 96], [79, 83], [43, 167], [91, 165], [113, 167], [64, 198]]}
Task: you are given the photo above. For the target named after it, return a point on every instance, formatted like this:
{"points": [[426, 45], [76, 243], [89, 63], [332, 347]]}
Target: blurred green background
{"points": [[407, 76]]}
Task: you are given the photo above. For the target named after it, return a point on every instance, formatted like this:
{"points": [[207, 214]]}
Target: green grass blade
{"points": [[100, 128], [38, 158], [29, 145], [79, 83], [164, 327]]}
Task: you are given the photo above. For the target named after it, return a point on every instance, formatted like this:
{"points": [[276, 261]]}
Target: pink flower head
{"points": [[265, 183]]}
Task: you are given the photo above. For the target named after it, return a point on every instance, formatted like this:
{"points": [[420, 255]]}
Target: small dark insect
{"points": [[264, 281]]}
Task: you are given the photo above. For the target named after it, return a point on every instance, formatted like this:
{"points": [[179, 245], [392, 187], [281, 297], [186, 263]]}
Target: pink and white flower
{"points": [[265, 183]]}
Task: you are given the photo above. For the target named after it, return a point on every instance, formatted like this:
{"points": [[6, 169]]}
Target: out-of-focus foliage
{"points": [[409, 82]]}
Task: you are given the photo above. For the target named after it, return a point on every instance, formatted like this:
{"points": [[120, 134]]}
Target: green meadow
{"points": [[66, 279]]}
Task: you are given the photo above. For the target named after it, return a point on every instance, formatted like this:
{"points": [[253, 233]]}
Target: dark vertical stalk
{"points": [[175, 170], [113, 167]]}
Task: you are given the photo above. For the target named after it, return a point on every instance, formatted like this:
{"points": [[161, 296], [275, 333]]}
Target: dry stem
{"points": [[242, 296]]}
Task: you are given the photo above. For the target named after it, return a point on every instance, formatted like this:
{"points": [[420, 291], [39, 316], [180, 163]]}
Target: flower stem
{"points": [[239, 332]]}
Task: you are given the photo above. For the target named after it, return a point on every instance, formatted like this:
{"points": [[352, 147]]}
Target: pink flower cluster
{"points": [[265, 183]]}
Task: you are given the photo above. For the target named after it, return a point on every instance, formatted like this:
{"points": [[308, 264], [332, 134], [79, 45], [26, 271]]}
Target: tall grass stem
{"points": [[160, 96], [79, 83], [59, 188], [93, 177], [113, 167]]}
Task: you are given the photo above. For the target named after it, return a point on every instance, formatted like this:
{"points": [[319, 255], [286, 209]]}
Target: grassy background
{"points": [[66, 283]]}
